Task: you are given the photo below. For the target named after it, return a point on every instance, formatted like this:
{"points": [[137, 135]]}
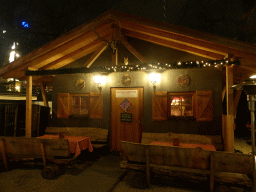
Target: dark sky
{"points": [[49, 19]]}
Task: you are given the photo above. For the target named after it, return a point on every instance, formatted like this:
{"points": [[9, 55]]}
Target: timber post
{"points": [[229, 132], [29, 107]]}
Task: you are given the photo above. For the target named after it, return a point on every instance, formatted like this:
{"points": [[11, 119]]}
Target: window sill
{"points": [[79, 116], [182, 118]]}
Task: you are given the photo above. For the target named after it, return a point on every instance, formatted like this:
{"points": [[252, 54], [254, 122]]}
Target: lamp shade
{"points": [[249, 86], [154, 78], [98, 79]]}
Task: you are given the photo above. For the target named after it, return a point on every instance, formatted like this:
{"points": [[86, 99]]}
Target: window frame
{"points": [[76, 115], [193, 105]]}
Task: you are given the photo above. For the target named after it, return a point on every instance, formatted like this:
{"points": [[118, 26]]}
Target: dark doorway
{"points": [[242, 118]]}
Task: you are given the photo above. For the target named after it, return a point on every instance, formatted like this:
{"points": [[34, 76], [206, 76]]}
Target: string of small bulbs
{"points": [[141, 67], [174, 65]]}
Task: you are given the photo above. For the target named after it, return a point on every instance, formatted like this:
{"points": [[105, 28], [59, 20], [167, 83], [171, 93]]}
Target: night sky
{"points": [[48, 19]]}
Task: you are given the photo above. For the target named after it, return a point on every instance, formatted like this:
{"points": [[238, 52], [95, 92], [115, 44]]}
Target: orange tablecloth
{"points": [[187, 145], [76, 143]]}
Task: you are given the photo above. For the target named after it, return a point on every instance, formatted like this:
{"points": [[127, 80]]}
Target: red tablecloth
{"points": [[187, 145], [76, 143]]}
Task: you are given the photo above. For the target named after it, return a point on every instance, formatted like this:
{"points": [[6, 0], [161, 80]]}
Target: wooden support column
{"points": [[228, 132], [42, 86], [29, 107]]}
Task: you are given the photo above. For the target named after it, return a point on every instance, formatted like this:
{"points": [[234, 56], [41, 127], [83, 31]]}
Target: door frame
{"points": [[110, 117]]}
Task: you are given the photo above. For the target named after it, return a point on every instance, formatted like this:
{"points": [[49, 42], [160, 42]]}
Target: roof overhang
{"points": [[93, 36]]}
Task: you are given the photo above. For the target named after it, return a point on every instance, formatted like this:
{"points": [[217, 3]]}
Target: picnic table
{"points": [[76, 143]]}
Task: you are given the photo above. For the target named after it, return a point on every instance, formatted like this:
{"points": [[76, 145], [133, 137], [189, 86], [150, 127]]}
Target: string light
{"points": [[146, 67], [174, 65]]}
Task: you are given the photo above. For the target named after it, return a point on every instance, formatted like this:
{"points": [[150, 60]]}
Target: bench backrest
{"points": [[232, 162], [31, 147], [196, 158], [95, 134], [167, 155]]}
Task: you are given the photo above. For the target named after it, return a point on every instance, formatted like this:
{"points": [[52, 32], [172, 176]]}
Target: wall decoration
{"points": [[79, 84], [183, 80], [126, 105], [126, 80]]}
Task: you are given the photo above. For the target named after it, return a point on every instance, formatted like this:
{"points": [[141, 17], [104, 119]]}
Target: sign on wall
{"points": [[126, 117], [126, 93]]}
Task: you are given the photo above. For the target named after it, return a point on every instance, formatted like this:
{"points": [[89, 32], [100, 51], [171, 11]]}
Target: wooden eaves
{"points": [[85, 40]]}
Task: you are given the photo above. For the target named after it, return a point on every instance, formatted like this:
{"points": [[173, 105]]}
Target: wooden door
{"points": [[126, 116]]}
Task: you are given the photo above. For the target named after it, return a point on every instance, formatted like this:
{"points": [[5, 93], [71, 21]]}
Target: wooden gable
{"points": [[96, 35]]}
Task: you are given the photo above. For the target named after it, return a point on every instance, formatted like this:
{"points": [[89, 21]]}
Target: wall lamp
{"points": [[100, 80], [154, 78]]}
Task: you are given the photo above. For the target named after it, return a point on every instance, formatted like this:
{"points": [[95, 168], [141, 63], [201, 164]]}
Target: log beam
{"points": [[229, 132], [44, 96], [58, 52], [29, 107], [175, 45], [125, 42], [95, 55]]}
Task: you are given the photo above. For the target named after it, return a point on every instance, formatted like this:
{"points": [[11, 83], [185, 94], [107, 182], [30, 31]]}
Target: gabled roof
{"points": [[92, 37]]}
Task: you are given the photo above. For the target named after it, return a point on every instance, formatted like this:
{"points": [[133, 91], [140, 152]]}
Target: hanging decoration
{"points": [[174, 65], [141, 67]]}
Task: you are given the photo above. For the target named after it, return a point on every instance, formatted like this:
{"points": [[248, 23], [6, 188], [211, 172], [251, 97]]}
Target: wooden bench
{"points": [[48, 149], [98, 136], [188, 160], [215, 140]]}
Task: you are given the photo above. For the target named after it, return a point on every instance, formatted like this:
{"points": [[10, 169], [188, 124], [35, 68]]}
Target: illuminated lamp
{"points": [[100, 80]]}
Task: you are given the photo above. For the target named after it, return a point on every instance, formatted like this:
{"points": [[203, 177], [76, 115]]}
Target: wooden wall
{"points": [[202, 79]]}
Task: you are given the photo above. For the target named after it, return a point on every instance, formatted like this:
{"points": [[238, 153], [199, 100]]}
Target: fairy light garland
{"points": [[174, 65], [141, 67]]}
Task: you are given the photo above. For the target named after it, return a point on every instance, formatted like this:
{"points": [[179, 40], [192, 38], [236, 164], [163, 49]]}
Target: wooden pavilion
{"points": [[86, 44]]}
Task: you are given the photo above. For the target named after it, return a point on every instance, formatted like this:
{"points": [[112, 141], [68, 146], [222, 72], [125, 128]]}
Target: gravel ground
{"points": [[26, 177]]}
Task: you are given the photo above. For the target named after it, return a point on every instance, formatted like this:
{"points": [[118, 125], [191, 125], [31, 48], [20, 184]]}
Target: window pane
{"points": [[76, 110], [188, 111], [176, 111], [76, 101], [187, 100], [84, 101], [175, 100], [84, 110]]}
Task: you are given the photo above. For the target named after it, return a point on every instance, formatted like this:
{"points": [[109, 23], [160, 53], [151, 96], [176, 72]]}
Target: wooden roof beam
{"points": [[77, 54], [47, 79], [62, 61], [95, 55], [174, 45], [125, 42], [140, 22], [60, 51], [218, 48], [69, 36]]}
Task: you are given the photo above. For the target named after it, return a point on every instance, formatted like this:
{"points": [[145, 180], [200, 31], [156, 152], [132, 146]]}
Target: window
{"points": [[88, 105], [198, 105], [79, 105], [181, 104]]}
